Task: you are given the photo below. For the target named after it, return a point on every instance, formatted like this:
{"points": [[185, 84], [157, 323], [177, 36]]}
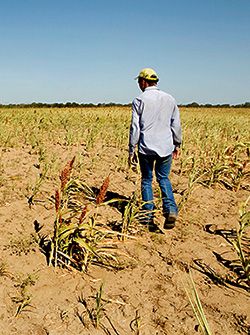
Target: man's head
{"points": [[147, 77]]}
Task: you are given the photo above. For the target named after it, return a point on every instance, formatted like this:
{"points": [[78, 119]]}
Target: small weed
{"points": [[36, 188], [135, 324], [23, 298], [25, 282], [64, 316], [97, 311], [23, 302], [195, 302], [244, 224], [239, 274]]}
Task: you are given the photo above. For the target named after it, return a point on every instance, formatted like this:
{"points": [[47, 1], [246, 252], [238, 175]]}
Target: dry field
{"points": [[74, 259]]}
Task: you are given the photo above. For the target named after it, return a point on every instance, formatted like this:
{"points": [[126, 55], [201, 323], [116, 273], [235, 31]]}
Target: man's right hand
{"points": [[132, 159], [176, 153]]}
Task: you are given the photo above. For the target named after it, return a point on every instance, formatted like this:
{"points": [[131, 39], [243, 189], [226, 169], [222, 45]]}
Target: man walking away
{"points": [[156, 129]]}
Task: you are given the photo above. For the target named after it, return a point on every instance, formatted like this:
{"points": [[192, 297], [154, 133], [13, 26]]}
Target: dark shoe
{"points": [[153, 228], [148, 222], [170, 221]]}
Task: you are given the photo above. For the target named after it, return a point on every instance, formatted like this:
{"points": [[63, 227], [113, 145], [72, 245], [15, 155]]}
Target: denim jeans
{"points": [[162, 169]]}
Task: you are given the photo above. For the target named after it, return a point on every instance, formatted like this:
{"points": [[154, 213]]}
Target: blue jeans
{"points": [[162, 170]]}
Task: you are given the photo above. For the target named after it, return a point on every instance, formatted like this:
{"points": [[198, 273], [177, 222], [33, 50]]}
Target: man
{"points": [[155, 128]]}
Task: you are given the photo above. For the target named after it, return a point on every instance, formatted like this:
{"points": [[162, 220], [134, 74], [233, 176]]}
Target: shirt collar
{"points": [[149, 88]]}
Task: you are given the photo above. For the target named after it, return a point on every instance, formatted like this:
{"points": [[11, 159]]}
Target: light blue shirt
{"points": [[155, 124]]}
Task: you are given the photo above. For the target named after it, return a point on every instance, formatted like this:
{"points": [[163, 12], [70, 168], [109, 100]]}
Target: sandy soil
{"points": [[147, 297]]}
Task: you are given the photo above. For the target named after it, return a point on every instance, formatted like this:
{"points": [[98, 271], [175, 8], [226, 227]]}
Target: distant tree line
{"points": [[61, 105], [195, 104], [111, 104]]}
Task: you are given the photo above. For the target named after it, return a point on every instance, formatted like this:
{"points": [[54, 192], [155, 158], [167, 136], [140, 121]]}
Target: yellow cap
{"points": [[148, 74]]}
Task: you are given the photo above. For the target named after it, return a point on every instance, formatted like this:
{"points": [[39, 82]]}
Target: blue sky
{"points": [[90, 51]]}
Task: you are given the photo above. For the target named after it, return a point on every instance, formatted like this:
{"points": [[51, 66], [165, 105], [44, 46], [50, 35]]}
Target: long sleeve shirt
{"points": [[155, 124]]}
